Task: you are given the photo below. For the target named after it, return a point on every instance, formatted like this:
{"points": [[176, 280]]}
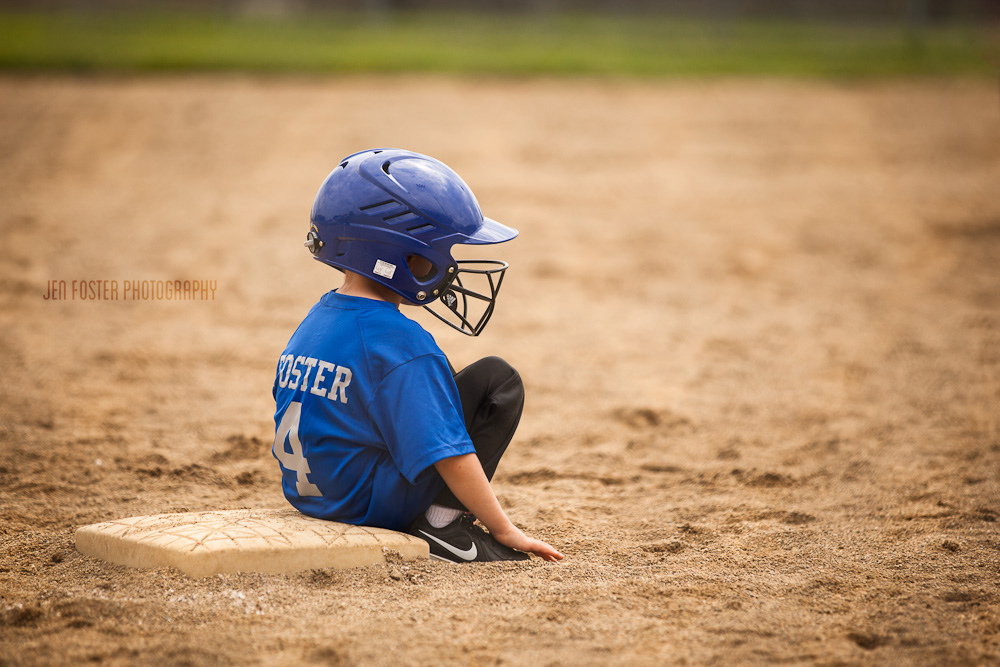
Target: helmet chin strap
{"points": [[457, 297]]}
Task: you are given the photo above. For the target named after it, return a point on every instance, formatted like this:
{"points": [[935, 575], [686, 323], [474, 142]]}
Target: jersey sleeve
{"points": [[418, 412]]}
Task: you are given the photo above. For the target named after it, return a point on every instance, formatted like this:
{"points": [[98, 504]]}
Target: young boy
{"points": [[372, 425]]}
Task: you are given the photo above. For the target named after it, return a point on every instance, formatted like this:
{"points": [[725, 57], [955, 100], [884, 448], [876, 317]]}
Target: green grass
{"points": [[477, 43]]}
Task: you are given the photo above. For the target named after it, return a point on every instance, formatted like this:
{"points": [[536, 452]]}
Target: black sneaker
{"points": [[461, 541]]}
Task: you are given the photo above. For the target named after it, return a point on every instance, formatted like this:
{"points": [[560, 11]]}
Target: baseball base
{"points": [[202, 544]]}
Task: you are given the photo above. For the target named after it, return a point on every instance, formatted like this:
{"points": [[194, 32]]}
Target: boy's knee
{"points": [[500, 372], [490, 379]]}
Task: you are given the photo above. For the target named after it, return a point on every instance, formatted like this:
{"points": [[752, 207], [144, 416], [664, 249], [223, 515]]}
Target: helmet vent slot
{"points": [[401, 216], [385, 167], [420, 228], [373, 208]]}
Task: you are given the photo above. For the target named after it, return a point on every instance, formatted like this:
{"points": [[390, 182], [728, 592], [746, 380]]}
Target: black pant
{"points": [[492, 399]]}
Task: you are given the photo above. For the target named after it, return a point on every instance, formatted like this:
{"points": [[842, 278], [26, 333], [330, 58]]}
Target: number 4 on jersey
{"points": [[288, 430]]}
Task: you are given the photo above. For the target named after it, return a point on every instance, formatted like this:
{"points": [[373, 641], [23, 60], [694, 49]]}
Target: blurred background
{"points": [[624, 37], [918, 11]]}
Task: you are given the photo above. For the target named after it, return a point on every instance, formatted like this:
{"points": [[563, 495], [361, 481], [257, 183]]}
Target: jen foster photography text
{"points": [[130, 290]]}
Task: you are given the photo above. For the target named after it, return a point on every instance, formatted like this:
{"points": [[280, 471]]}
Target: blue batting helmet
{"points": [[380, 207]]}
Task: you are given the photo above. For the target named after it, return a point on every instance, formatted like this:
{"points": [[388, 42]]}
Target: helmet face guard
{"points": [[378, 208], [454, 304]]}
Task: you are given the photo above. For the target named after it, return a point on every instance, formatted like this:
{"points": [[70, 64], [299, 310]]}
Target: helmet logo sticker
{"points": [[384, 269], [450, 299]]}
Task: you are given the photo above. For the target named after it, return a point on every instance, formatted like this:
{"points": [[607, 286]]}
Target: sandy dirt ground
{"points": [[758, 321]]}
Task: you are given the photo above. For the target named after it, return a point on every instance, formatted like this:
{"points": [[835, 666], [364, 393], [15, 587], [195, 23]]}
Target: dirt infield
{"points": [[758, 321]]}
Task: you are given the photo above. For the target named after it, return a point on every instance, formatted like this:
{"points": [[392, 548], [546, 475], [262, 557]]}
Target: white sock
{"points": [[440, 516]]}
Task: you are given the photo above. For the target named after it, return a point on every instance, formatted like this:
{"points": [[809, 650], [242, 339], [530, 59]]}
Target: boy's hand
{"points": [[465, 477], [515, 539]]}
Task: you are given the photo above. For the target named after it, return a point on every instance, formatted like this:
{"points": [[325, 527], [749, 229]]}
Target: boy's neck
{"points": [[357, 285]]}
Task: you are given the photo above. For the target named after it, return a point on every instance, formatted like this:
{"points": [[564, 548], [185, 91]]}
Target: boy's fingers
{"points": [[547, 552]]}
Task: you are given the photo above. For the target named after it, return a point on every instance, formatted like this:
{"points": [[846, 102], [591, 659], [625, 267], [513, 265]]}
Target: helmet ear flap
{"points": [[422, 269]]}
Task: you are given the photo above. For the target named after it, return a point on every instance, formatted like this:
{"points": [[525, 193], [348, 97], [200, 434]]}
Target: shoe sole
{"points": [[459, 562], [444, 560]]}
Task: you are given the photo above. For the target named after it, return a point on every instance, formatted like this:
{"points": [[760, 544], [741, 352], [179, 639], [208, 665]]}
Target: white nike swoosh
{"points": [[467, 554]]}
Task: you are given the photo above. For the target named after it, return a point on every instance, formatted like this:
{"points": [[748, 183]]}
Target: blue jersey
{"points": [[365, 405]]}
